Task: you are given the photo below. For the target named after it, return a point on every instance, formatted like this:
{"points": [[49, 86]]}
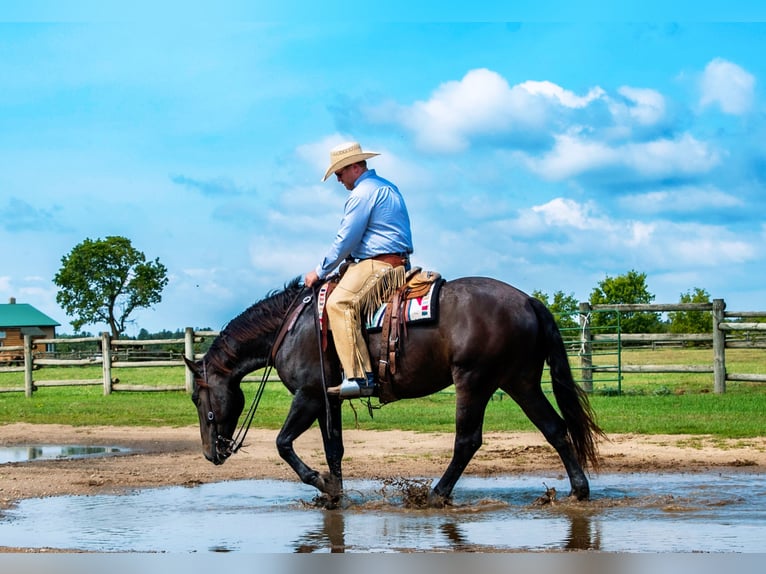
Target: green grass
{"points": [[650, 404]]}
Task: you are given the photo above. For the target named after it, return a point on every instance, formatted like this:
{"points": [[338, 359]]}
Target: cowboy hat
{"points": [[346, 154]]}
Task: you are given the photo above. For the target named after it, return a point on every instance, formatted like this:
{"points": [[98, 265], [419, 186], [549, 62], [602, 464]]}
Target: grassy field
{"points": [[650, 403]]}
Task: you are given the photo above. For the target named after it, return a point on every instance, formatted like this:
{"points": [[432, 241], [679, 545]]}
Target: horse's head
{"points": [[219, 404]]}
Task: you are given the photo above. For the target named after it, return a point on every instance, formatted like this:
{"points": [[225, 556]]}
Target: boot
{"points": [[354, 388]]}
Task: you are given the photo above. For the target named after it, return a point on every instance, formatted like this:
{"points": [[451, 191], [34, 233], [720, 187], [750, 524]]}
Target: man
{"points": [[375, 235]]}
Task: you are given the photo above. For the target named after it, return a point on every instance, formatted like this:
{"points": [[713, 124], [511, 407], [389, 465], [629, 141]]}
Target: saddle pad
{"points": [[416, 309]]}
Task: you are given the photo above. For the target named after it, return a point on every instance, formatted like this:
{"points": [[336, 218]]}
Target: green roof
{"points": [[24, 315]]}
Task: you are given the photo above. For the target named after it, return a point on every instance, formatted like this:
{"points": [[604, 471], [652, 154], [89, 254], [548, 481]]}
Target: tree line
{"points": [[630, 288]]}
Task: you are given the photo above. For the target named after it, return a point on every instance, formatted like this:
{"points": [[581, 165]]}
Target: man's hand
{"points": [[310, 278]]}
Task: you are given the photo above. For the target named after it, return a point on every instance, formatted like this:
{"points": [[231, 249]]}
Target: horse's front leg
{"points": [[332, 437], [304, 410]]}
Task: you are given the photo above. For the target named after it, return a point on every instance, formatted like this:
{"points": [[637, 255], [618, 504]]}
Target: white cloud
{"points": [[573, 156], [671, 157], [728, 85], [563, 97], [565, 212], [482, 103], [648, 106], [564, 227], [683, 199]]}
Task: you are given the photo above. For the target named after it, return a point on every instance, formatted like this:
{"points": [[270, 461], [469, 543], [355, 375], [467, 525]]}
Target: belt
{"points": [[393, 259]]}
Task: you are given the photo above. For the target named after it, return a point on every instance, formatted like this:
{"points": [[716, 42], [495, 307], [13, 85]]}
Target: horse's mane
{"points": [[261, 319]]}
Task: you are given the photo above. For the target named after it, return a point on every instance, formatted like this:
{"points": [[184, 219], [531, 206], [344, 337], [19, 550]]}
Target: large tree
{"points": [[625, 289], [105, 280], [564, 308]]}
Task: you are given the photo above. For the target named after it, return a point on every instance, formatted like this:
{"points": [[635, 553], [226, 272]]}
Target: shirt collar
{"points": [[365, 175]]}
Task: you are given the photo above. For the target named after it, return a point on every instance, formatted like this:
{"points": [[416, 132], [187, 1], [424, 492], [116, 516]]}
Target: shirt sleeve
{"points": [[350, 232]]}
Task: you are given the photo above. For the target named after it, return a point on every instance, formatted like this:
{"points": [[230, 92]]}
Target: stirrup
{"points": [[353, 388]]}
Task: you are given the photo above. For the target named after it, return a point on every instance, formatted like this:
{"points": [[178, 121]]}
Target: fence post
{"points": [[106, 365], [28, 366], [719, 347], [189, 354], [586, 347]]}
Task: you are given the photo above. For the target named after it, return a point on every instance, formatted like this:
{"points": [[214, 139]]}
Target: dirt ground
{"points": [[173, 456]]}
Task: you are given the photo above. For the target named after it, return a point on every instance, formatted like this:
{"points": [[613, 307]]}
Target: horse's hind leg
{"points": [[469, 419], [304, 410], [542, 414]]}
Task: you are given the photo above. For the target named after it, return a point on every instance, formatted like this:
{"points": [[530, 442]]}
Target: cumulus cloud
{"points": [[483, 104], [574, 155], [644, 106], [684, 199], [567, 213], [564, 226], [563, 97], [727, 85]]}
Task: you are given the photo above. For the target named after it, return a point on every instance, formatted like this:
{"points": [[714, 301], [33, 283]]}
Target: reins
{"points": [[318, 331]]}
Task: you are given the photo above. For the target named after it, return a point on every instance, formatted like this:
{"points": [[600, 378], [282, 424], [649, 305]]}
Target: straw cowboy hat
{"points": [[346, 154]]}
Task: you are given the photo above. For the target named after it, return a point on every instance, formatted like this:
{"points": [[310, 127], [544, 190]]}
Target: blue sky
{"points": [[548, 154]]}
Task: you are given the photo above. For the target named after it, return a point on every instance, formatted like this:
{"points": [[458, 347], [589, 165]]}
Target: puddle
{"points": [[627, 513], [26, 453]]}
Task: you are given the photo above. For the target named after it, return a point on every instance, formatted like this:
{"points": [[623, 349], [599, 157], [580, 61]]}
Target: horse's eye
{"points": [[210, 416]]}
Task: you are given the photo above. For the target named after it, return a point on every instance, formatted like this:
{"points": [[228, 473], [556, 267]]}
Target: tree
{"points": [[105, 280], [564, 308], [625, 289], [692, 321]]}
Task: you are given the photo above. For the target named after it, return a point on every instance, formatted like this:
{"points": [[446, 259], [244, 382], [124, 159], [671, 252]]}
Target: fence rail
{"points": [[589, 346]]}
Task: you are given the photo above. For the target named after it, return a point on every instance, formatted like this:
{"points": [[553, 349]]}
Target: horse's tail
{"points": [[571, 399]]}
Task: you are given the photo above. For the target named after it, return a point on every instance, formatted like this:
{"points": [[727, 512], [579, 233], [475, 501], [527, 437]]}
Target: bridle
{"points": [[228, 446]]}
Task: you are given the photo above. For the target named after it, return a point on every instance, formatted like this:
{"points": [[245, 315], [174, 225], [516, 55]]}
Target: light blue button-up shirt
{"points": [[375, 221]]}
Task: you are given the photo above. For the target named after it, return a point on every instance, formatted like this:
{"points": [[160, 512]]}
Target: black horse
{"points": [[489, 336]]}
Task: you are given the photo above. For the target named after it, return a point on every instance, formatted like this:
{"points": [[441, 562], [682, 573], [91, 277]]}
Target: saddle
{"points": [[415, 301], [418, 285]]}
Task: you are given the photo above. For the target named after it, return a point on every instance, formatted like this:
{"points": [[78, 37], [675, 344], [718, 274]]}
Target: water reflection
{"points": [[440, 532], [330, 536], [584, 533]]}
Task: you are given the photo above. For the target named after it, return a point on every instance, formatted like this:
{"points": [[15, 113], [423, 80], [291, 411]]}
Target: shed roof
{"points": [[24, 315]]}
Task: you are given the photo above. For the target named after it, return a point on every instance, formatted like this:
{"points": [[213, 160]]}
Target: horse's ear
{"points": [[193, 367]]}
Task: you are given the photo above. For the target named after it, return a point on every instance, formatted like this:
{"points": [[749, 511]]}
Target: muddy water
{"points": [[627, 513], [47, 452]]}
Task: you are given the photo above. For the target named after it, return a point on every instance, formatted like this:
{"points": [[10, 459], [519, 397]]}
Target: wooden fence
{"points": [[720, 339], [111, 354], [115, 353]]}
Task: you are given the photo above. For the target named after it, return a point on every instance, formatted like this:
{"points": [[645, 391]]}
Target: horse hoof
{"points": [[580, 495], [437, 500], [332, 486]]}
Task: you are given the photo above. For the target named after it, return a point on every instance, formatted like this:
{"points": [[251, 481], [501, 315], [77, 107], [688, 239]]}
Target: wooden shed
{"points": [[19, 319]]}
